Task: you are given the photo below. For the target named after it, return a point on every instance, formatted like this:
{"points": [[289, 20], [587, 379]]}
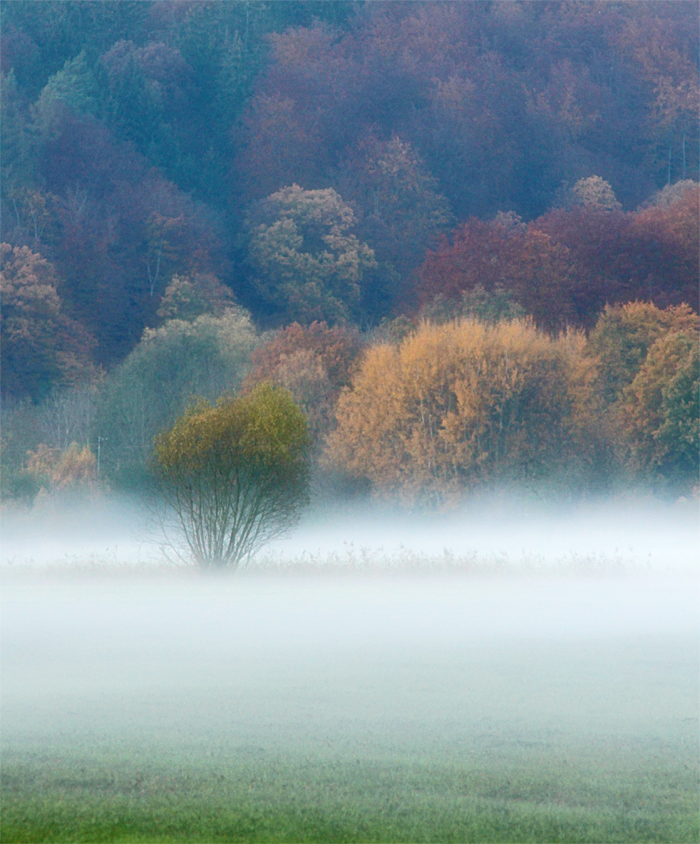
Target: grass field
{"points": [[358, 709], [601, 794]]}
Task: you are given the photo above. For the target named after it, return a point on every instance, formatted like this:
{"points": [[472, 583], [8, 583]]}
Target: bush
{"points": [[236, 475]]}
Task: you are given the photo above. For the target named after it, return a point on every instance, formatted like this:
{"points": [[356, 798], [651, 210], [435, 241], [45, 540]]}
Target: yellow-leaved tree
{"points": [[457, 405], [234, 475]]}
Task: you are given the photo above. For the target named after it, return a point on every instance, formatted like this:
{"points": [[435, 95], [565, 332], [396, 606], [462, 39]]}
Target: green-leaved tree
{"points": [[152, 387], [307, 262]]}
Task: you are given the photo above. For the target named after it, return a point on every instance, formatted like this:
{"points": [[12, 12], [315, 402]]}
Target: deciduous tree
{"points": [[146, 393], [41, 345], [307, 262], [234, 476], [314, 363], [504, 254], [72, 469], [595, 192], [623, 336], [401, 210], [190, 296], [660, 409], [616, 257], [455, 406]]}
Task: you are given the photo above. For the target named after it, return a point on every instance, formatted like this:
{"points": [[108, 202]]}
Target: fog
{"points": [[360, 656], [491, 534], [513, 533], [378, 668]]}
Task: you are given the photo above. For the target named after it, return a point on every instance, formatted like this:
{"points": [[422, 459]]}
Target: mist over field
{"points": [[517, 651], [494, 532], [286, 662]]}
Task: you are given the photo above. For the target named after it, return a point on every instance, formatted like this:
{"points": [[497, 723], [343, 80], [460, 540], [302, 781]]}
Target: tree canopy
{"points": [[138, 139], [181, 178], [307, 261], [41, 345], [660, 411], [152, 387]]}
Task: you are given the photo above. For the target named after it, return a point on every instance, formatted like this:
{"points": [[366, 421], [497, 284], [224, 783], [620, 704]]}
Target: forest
{"points": [[463, 236]]}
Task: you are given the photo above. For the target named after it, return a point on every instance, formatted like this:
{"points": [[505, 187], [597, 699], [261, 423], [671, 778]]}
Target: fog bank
{"points": [[634, 536], [369, 663]]}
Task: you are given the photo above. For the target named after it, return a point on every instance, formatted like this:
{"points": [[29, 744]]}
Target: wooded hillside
{"points": [[348, 164]]}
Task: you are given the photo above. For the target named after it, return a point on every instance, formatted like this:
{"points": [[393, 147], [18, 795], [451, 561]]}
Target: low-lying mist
{"points": [[82, 637], [503, 644], [510, 533], [499, 533], [283, 661]]}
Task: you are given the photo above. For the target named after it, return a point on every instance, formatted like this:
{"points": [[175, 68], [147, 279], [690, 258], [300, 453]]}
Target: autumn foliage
{"points": [[564, 267], [180, 180], [659, 410], [623, 336], [314, 363], [41, 345], [456, 406], [72, 469], [648, 372], [504, 254]]}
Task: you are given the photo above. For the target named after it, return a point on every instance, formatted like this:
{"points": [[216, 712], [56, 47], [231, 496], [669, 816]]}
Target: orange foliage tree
{"points": [[458, 405]]}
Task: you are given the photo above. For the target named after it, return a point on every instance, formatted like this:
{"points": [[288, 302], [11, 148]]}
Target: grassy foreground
{"points": [[285, 710], [537, 798]]}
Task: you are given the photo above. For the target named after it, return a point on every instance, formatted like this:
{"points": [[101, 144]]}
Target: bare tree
{"points": [[67, 416]]}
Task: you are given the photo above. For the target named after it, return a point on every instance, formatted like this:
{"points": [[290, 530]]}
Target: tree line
{"points": [[424, 411]]}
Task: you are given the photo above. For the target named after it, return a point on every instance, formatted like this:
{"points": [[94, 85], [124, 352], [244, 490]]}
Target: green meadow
{"points": [[615, 794], [282, 710]]}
